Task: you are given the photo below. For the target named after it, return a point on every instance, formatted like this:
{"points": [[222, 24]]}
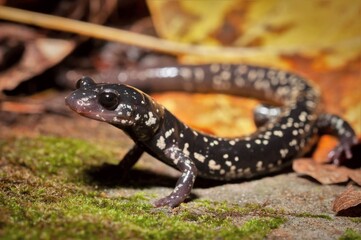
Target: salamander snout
{"points": [[120, 105]]}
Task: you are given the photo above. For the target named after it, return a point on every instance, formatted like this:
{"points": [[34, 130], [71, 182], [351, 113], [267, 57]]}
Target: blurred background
{"points": [[40, 62], [46, 150]]}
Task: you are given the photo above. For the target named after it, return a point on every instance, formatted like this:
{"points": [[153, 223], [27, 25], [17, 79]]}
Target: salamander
{"points": [[284, 133]]}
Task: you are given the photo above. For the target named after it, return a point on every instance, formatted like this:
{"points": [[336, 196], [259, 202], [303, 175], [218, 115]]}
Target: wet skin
{"points": [[284, 133]]}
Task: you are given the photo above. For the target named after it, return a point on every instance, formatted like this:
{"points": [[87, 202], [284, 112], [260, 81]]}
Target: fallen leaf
{"points": [[325, 173], [216, 114], [29, 108], [270, 28], [280, 34], [39, 54], [36, 59], [356, 177], [348, 203], [42, 52]]}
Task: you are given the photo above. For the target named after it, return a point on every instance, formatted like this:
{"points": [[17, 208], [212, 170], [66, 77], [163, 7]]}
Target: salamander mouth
{"points": [[71, 102], [81, 107], [86, 109]]}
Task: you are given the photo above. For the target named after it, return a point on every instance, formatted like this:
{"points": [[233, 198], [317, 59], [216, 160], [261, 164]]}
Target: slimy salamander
{"points": [[289, 132]]}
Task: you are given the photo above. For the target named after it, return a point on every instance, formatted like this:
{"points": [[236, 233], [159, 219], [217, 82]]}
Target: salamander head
{"points": [[120, 105]]}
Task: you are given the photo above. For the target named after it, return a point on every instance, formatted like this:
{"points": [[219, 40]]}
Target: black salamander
{"points": [[284, 133]]}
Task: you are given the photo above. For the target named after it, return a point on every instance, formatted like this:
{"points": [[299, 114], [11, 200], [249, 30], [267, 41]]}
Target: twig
{"points": [[117, 35]]}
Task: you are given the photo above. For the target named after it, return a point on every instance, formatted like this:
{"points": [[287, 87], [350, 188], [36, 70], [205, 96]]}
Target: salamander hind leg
{"points": [[184, 184], [339, 128], [263, 113]]}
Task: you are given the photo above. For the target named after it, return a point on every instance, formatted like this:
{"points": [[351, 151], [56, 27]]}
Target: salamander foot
{"points": [[170, 201], [335, 156]]}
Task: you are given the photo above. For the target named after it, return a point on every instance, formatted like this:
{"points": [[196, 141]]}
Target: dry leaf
{"points": [[39, 54], [217, 114], [30, 108], [278, 33], [271, 28], [356, 176], [325, 173], [350, 201]]}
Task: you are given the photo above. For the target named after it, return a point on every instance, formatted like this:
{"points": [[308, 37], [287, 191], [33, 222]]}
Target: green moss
{"points": [[259, 228], [350, 234], [55, 156], [91, 216], [44, 194], [310, 215], [356, 219]]}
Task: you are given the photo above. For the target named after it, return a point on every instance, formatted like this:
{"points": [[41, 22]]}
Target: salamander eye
{"points": [[109, 100], [84, 82]]}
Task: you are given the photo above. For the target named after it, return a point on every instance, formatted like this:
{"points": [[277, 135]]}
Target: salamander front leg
{"points": [[336, 126], [130, 159], [185, 182]]}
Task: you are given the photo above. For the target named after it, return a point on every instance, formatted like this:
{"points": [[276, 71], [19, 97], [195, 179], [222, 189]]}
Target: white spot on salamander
{"points": [[161, 143], [185, 149], [293, 143], [213, 165], [151, 120], [215, 68], [199, 74], [259, 165], [115, 119], [283, 152], [278, 133], [199, 157], [169, 132]]}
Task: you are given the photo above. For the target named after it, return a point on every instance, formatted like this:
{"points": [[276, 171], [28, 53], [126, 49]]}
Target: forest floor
{"points": [[53, 185]]}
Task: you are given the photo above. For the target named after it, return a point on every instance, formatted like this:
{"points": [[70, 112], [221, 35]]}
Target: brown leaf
{"points": [[39, 54], [349, 199], [29, 108], [326, 173], [355, 175]]}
